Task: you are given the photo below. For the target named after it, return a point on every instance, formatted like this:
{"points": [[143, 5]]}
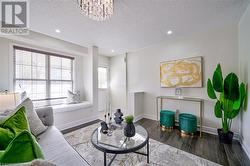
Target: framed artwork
{"points": [[181, 73]]}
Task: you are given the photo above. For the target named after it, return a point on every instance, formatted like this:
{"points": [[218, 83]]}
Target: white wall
{"points": [[215, 46], [118, 83], [136, 105], [4, 64], [244, 61]]}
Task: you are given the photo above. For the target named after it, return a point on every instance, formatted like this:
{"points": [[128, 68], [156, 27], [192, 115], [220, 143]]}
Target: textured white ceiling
{"points": [[135, 23]]}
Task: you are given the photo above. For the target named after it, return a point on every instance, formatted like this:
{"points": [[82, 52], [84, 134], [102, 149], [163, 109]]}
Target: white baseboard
{"points": [[138, 117], [76, 123], [148, 116], [205, 129], [213, 131], [245, 147]]}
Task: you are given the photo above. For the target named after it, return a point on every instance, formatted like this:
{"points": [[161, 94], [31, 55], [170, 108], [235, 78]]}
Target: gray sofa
{"points": [[56, 149]]}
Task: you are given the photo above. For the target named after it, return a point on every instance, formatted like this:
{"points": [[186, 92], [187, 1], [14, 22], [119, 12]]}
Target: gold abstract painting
{"points": [[182, 73]]}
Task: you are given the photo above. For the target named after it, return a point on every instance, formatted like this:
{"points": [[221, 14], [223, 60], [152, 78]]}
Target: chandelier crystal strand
{"points": [[98, 10]]}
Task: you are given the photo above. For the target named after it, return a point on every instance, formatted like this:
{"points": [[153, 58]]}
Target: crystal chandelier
{"points": [[98, 10]]}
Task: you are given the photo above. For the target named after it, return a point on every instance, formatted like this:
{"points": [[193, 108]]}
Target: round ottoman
{"points": [[167, 120], [188, 124]]}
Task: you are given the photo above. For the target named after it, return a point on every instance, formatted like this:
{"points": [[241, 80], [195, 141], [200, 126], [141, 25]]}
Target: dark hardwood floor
{"points": [[207, 147]]}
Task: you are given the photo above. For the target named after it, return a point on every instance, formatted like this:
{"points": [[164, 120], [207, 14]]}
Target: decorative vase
{"points": [[225, 137], [118, 116], [104, 127], [129, 130]]}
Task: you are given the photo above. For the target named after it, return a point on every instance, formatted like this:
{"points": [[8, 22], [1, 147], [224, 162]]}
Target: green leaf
{"points": [[228, 107], [246, 99], [210, 90], [218, 79], [242, 91], [231, 87], [238, 104], [222, 99], [217, 109], [234, 113]]}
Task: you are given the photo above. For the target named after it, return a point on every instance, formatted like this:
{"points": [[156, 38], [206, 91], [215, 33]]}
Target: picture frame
{"points": [[182, 73]]}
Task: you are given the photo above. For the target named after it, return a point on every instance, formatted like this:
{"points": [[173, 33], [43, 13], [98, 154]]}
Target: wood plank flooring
{"points": [[207, 147]]}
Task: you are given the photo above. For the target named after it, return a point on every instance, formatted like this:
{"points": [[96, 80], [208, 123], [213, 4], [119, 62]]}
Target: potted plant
{"points": [[230, 98], [129, 129]]}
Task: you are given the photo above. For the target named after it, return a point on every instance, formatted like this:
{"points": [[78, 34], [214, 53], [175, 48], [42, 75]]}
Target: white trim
{"points": [[41, 48], [138, 117], [205, 129], [244, 146], [31, 41], [148, 116], [213, 131], [76, 123]]}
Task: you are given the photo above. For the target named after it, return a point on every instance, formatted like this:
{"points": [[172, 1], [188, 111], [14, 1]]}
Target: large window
{"points": [[102, 77], [42, 75]]}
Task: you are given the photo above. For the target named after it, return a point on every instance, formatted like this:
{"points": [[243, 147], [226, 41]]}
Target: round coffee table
{"points": [[117, 143]]}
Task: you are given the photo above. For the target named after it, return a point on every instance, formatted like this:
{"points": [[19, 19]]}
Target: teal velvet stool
{"points": [[167, 119], [188, 124]]}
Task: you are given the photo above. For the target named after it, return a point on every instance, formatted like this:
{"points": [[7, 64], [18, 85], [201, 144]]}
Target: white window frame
{"points": [[47, 70]]}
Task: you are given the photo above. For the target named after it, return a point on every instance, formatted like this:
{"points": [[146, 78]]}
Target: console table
{"points": [[197, 100]]}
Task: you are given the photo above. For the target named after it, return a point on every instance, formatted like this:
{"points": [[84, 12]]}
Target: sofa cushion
{"points": [[57, 150], [46, 115], [23, 148], [36, 125], [37, 162], [11, 127]]}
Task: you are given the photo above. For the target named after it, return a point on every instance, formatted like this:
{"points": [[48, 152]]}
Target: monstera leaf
{"points": [[231, 87], [210, 90], [218, 79]]}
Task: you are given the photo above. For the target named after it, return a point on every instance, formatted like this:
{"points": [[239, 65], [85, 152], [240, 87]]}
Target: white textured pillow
{"points": [[23, 95], [37, 162], [36, 125], [73, 98]]}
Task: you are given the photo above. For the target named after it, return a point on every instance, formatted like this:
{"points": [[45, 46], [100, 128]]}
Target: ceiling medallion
{"points": [[98, 10]]}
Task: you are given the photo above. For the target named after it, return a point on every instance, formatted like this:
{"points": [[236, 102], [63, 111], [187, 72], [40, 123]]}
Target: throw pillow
{"points": [[35, 123], [40, 162], [23, 95], [23, 148], [73, 98], [12, 127]]}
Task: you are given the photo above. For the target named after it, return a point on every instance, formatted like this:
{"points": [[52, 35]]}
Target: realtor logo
{"points": [[14, 17]]}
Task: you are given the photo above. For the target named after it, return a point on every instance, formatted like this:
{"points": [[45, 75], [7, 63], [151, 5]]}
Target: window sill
{"points": [[71, 107]]}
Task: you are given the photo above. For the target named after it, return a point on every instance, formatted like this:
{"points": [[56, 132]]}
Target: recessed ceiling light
{"points": [[112, 50], [169, 32], [58, 31]]}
